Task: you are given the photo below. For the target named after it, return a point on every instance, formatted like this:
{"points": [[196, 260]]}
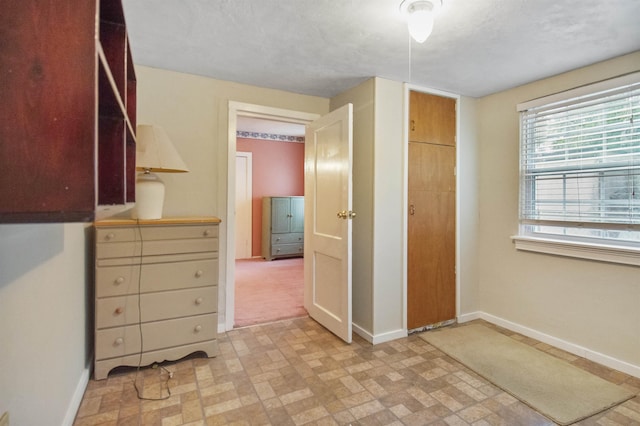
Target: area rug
{"points": [[562, 392]]}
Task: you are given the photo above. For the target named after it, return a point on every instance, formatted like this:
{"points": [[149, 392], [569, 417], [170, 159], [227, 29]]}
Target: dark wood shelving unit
{"points": [[68, 114]]}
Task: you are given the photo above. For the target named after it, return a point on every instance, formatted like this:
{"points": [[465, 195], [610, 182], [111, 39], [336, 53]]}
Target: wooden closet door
{"points": [[431, 288]]}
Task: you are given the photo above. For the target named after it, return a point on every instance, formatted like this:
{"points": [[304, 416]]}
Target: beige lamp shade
{"points": [[155, 152]]}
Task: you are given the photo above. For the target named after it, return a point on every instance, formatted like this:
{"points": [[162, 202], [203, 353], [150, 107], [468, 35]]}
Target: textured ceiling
{"points": [[323, 47]]}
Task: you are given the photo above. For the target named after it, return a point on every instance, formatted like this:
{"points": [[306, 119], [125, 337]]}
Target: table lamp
{"points": [[154, 154]]}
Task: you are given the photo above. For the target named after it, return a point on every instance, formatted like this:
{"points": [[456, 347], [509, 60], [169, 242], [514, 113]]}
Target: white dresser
{"points": [[156, 291]]}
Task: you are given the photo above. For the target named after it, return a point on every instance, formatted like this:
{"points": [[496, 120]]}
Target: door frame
{"points": [[243, 109], [405, 195], [248, 189]]}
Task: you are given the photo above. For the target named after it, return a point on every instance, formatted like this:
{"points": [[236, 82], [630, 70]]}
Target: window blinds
{"points": [[580, 158]]}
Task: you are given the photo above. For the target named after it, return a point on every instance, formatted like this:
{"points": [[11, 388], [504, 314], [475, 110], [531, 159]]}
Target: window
{"points": [[580, 165]]}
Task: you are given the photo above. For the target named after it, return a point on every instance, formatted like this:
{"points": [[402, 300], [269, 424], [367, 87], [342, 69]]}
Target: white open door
{"points": [[328, 214]]}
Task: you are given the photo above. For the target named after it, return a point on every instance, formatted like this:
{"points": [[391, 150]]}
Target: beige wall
{"points": [[194, 112], [468, 203], [388, 211], [44, 321], [589, 304]]}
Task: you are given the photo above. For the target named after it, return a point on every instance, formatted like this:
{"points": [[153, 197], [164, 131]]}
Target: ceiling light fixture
{"points": [[420, 16]]}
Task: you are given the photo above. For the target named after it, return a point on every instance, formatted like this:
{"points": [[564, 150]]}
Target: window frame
{"points": [[607, 250]]}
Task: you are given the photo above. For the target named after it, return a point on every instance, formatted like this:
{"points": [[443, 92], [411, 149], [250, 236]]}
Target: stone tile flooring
{"points": [[294, 372]]}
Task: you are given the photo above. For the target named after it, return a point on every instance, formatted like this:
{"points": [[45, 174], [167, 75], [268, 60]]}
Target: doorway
{"points": [[269, 282], [238, 112]]}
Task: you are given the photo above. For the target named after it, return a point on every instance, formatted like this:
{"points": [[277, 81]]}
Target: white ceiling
{"points": [[323, 47]]}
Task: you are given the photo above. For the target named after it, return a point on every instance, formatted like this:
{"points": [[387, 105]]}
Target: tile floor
{"points": [[294, 372]]}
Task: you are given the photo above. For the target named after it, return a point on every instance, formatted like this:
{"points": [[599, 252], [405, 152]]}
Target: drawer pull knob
{"points": [[206, 233], [197, 328], [199, 273], [118, 341], [118, 310], [199, 301], [109, 236], [119, 280]]}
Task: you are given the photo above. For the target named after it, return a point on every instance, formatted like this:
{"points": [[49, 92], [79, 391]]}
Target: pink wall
{"points": [[278, 170]]}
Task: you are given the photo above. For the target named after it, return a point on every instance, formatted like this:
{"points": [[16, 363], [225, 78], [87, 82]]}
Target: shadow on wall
{"points": [[23, 247]]}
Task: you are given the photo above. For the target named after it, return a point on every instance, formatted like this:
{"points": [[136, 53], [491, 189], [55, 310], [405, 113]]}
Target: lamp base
{"points": [[149, 197]]}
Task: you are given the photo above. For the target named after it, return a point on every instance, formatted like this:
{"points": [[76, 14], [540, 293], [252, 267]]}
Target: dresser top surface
{"points": [[192, 220]]}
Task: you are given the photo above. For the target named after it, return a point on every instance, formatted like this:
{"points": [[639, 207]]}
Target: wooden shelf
{"points": [[68, 115]]}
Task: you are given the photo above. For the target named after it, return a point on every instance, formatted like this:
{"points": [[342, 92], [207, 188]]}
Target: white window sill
{"points": [[600, 252]]}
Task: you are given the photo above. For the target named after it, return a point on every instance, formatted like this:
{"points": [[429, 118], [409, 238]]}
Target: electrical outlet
{"points": [[4, 420]]}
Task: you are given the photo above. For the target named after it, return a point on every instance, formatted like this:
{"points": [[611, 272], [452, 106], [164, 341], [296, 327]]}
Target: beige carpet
{"points": [[268, 291], [551, 386]]}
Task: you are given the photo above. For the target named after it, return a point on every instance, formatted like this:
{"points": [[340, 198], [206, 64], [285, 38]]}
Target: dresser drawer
{"points": [[155, 247], [114, 342], [287, 249], [123, 310], [121, 280], [296, 237], [115, 234]]}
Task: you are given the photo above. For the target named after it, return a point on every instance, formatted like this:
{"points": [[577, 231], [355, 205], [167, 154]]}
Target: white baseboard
{"points": [[389, 336], [600, 358], [468, 317], [362, 332], [378, 338], [78, 394]]}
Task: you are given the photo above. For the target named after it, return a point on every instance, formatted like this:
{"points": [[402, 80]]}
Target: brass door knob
{"points": [[346, 214]]}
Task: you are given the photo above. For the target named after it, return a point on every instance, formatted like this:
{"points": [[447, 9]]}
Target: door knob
{"points": [[346, 214]]}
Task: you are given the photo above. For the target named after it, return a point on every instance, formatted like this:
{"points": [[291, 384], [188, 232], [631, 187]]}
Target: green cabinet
{"points": [[282, 227]]}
